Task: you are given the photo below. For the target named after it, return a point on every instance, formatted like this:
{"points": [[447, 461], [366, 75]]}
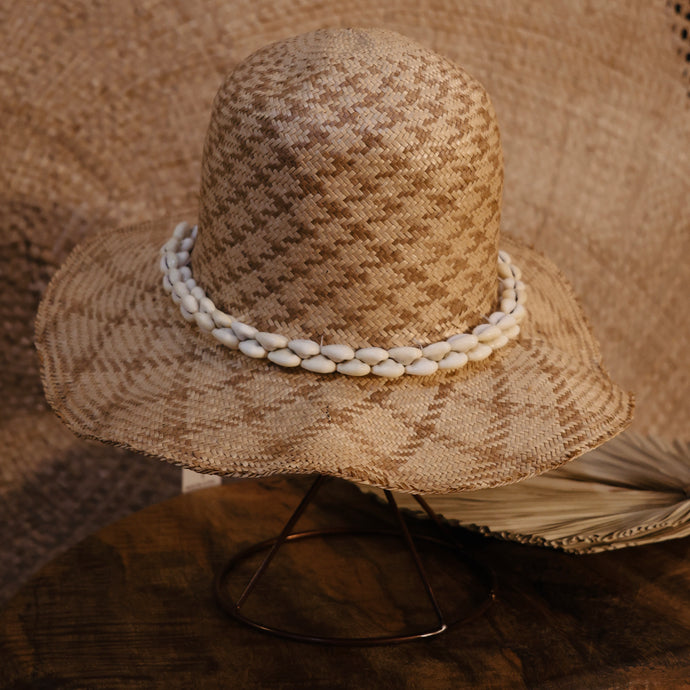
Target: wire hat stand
{"points": [[234, 606]]}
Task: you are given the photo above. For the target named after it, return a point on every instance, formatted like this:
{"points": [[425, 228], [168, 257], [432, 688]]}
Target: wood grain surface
{"points": [[133, 606]]}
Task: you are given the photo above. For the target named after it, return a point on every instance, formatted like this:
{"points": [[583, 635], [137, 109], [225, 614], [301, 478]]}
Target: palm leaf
{"points": [[632, 490]]}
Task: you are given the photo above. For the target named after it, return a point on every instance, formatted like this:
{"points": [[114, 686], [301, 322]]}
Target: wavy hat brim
{"points": [[120, 365]]}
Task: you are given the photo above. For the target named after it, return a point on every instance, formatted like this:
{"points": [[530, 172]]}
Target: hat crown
{"points": [[351, 185]]}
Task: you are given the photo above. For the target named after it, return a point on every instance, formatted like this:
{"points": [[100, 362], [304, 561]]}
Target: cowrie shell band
{"points": [[446, 355]]}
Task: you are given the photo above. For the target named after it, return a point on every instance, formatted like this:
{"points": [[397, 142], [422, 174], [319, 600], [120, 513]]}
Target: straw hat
{"points": [[343, 306]]}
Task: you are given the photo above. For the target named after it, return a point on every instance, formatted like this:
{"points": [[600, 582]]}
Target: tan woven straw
{"points": [[106, 110], [351, 188]]}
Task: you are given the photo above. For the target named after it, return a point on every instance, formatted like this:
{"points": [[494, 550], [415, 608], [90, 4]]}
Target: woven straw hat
{"points": [[350, 202]]}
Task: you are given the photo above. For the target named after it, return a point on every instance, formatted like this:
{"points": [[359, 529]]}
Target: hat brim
{"points": [[120, 365]]}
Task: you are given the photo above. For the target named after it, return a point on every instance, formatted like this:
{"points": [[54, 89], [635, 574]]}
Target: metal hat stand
{"points": [[234, 607]]}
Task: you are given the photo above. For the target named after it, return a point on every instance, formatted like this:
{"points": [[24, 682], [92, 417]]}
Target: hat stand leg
{"points": [[234, 607]]}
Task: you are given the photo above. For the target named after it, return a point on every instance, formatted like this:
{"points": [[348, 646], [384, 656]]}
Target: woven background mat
{"points": [[100, 137]]}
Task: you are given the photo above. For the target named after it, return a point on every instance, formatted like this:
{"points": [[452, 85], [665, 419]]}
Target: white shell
{"points": [[354, 367], [188, 316], [507, 305], [338, 353], [486, 332], [453, 360], [462, 342], [389, 369], [422, 367], [319, 364], [436, 351], [454, 353], [481, 351], [180, 230], [405, 355], [206, 305], [304, 348], [284, 357], [498, 342], [243, 331], [507, 322], [204, 321], [372, 355], [251, 348], [172, 245], [190, 304], [519, 312], [180, 289], [226, 336], [272, 341], [221, 319]]}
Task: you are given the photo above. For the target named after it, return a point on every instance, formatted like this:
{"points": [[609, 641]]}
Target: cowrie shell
{"points": [[186, 315], [436, 351], [190, 303], [405, 355], [338, 353], [204, 321], [226, 337], [498, 342], [251, 348], [486, 332], [304, 348], [479, 352], [512, 332], [422, 367], [389, 368], [372, 355], [243, 331], [354, 367], [180, 289], [284, 357], [507, 322], [181, 230], [221, 319], [453, 360], [462, 342], [319, 364], [271, 341]]}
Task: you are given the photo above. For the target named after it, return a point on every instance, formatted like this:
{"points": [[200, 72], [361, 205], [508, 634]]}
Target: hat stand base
{"points": [[234, 607]]}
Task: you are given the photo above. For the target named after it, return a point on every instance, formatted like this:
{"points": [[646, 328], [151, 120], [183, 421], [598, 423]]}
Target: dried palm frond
{"points": [[632, 490]]}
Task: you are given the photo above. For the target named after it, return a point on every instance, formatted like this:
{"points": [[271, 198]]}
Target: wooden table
{"points": [[133, 606]]}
